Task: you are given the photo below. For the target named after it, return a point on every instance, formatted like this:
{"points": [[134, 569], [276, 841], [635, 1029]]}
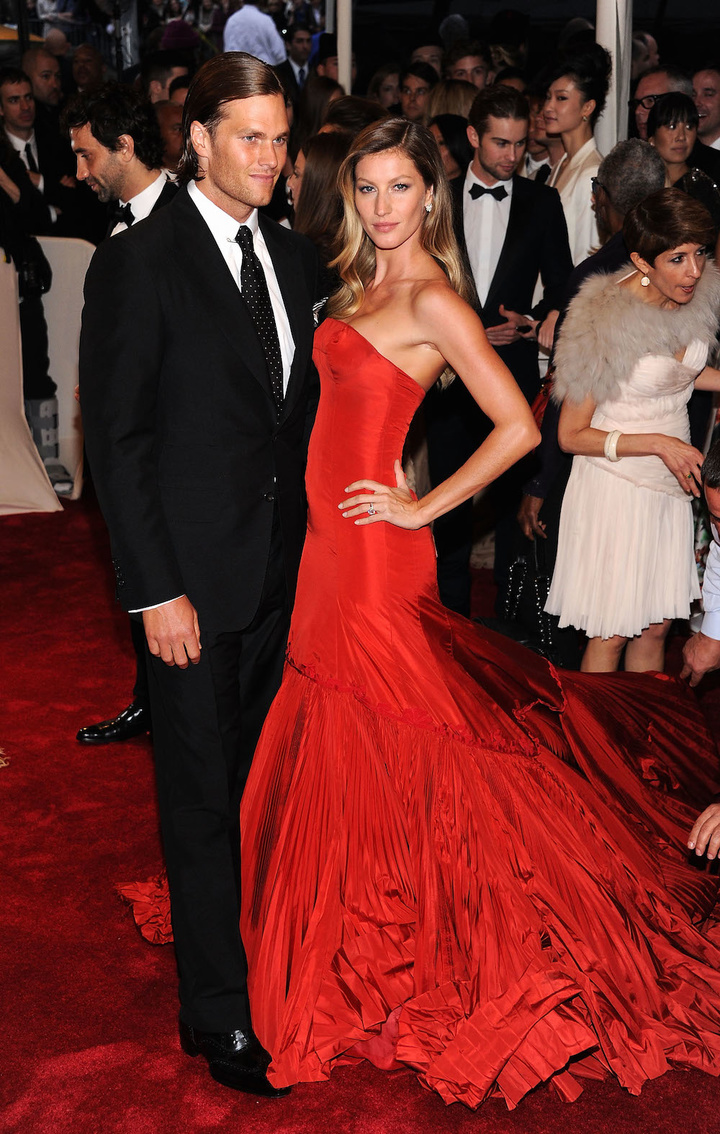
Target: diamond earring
{"points": [[428, 207]]}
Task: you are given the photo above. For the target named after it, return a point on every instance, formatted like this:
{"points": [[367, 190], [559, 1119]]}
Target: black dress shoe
{"points": [[130, 722], [236, 1059]]}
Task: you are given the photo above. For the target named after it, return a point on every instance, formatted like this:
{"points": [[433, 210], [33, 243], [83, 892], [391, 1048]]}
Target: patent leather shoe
{"points": [[235, 1059], [131, 722]]}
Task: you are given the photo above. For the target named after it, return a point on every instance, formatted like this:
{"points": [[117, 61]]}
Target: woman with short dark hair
{"points": [[631, 349]]}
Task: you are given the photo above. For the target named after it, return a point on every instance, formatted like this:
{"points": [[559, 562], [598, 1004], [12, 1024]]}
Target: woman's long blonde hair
{"points": [[356, 261]]}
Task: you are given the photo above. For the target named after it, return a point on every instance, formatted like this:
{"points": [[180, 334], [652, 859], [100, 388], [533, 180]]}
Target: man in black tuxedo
{"points": [[118, 149], [293, 72], [511, 231], [197, 384]]}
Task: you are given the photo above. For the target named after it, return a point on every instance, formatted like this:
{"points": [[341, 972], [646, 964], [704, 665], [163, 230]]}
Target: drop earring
{"points": [[645, 281], [428, 207]]}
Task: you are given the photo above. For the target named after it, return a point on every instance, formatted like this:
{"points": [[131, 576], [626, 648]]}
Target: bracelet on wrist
{"points": [[610, 446]]}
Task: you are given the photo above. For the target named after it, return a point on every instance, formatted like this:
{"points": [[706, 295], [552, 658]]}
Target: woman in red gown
{"points": [[455, 857]]}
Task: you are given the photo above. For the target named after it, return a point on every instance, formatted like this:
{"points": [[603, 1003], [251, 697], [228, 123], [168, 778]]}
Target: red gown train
{"points": [[454, 856]]}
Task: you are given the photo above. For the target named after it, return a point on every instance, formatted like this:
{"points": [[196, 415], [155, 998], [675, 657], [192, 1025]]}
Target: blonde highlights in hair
{"points": [[356, 261]]}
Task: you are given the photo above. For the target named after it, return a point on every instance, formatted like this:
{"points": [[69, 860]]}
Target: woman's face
{"points": [[674, 143], [389, 91], [565, 107], [675, 273], [452, 169], [294, 181], [390, 197]]}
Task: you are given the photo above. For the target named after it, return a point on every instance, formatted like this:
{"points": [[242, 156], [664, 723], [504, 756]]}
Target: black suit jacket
{"points": [[536, 243], [182, 436]]}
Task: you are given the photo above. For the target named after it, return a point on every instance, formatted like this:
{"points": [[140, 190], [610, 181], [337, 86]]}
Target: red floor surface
{"points": [[89, 1042]]}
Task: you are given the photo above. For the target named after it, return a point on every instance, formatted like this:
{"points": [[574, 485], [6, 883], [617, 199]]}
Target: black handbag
{"points": [[33, 269]]}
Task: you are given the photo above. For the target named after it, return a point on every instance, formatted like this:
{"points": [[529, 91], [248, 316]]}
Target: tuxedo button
{"points": [[269, 496]]}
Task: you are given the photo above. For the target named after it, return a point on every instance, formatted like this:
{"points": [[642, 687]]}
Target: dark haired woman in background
{"points": [[632, 347], [450, 133], [316, 198], [672, 129], [315, 97], [575, 99]]}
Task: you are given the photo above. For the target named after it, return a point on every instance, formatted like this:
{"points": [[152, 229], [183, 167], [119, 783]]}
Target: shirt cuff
{"points": [[140, 609], [711, 624]]}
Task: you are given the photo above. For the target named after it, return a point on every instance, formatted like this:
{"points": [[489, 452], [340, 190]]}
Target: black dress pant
{"points": [[206, 723]]}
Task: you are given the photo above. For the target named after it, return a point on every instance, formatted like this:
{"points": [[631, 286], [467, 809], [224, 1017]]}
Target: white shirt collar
{"points": [[142, 203], [221, 224], [20, 143], [471, 179]]}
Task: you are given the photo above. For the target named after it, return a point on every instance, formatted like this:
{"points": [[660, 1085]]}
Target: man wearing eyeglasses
{"points": [[653, 85]]}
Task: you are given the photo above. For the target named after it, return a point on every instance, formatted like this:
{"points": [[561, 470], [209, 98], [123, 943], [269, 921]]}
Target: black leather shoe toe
{"points": [[235, 1059], [131, 722]]}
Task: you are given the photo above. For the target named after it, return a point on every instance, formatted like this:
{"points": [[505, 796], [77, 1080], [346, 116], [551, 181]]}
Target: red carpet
{"points": [[89, 1042]]}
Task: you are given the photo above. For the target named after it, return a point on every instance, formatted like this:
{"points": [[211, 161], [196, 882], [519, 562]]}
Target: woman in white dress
{"points": [[574, 101], [633, 346]]}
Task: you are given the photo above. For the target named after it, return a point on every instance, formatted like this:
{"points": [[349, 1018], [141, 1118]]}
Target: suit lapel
{"points": [[513, 238], [202, 260]]}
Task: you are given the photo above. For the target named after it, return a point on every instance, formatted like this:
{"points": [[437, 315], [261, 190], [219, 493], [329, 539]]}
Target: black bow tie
{"points": [[499, 192], [123, 214]]}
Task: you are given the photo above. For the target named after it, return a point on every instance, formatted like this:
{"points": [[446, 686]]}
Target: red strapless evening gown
{"points": [[455, 857]]}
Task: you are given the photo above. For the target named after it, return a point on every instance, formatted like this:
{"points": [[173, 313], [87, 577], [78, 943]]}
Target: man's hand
{"points": [[528, 517], [506, 333], [173, 632], [705, 835], [34, 177], [701, 655]]}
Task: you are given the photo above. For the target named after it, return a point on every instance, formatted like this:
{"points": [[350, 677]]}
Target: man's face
{"points": [[329, 69], [537, 133], [414, 95], [706, 92], [647, 57], [430, 54], [44, 74], [649, 89], [499, 152], [158, 91], [169, 116], [87, 68], [17, 107], [473, 69], [102, 169], [243, 157], [299, 47]]}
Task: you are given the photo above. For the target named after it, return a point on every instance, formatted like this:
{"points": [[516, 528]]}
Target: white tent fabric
{"points": [[24, 484], [613, 29]]}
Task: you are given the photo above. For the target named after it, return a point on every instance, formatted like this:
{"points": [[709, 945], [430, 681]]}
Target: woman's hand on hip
{"points": [[372, 501]]}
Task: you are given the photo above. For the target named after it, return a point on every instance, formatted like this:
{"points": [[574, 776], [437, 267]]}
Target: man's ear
{"points": [[126, 147], [473, 137]]}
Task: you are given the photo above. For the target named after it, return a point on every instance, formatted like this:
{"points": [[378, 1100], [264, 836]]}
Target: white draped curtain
{"points": [[613, 29]]}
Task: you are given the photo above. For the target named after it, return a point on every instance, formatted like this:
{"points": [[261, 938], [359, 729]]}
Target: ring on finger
{"points": [[371, 510]]}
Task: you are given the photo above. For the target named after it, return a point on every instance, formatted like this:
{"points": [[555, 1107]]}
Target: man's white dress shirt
{"points": [[252, 31], [485, 222], [711, 591]]}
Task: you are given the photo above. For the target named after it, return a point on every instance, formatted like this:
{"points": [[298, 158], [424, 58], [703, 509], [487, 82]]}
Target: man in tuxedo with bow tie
{"points": [[197, 387], [512, 232]]}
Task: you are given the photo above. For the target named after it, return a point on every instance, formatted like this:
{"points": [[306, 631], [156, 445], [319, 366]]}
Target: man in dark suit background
{"points": [[196, 387], [293, 72], [118, 149], [511, 231]]}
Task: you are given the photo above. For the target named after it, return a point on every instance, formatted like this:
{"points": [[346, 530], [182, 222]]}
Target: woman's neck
{"points": [[574, 140], [675, 170]]}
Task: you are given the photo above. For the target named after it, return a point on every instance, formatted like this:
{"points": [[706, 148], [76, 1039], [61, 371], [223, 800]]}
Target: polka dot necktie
{"points": [[253, 286]]}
